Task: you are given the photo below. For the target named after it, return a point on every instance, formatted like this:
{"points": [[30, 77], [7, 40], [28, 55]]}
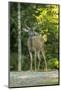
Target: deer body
{"points": [[36, 44]]}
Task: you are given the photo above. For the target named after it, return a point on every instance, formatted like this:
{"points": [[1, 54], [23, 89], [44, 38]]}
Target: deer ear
{"points": [[24, 29], [45, 37]]}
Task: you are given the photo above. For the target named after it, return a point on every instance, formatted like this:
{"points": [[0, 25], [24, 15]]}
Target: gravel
{"points": [[28, 78]]}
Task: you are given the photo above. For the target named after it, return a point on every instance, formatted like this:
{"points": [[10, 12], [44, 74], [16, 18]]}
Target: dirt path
{"points": [[28, 78]]}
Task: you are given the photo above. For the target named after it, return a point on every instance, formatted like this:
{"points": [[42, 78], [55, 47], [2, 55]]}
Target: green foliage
{"points": [[25, 63], [13, 27], [13, 61], [53, 63]]}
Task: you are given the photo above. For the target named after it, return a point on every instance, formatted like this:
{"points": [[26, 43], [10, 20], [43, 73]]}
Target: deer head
{"points": [[32, 32]]}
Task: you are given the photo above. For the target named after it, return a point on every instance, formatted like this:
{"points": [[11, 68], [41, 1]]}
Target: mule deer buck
{"points": [[36, 44]]}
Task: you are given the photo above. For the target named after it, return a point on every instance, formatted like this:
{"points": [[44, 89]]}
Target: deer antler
{"points": [[27, 27]]}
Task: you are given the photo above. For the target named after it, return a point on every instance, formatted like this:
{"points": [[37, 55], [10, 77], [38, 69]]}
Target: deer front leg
{"points": [[44, 59], [31, 60], [39, 58]]}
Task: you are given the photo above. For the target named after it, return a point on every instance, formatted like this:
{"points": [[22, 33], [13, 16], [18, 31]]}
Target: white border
{"points": [[4, 44]]}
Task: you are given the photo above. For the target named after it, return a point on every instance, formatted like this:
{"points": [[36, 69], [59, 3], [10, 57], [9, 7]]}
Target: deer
{"points": [[35, 44]]}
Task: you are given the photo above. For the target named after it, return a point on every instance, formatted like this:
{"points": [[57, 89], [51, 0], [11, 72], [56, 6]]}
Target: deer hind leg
{"points": [[44, 59], [35, 60], [39, 58], [31, 60]]}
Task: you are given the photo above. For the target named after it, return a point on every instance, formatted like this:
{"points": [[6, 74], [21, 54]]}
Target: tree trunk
{"points": [[19, 39]]}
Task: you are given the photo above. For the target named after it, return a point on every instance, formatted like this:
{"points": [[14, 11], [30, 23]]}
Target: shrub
{"points": [[53, 63]]}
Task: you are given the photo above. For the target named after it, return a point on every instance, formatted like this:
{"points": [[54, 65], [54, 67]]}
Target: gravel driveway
{"points": [[28, 78]]}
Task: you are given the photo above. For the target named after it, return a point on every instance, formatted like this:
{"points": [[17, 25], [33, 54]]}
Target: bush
{"points": [[53, 63], [25, 62], [13, 61]]}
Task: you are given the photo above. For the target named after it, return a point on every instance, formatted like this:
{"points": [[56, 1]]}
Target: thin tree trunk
{"points": [[19, 39]]}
